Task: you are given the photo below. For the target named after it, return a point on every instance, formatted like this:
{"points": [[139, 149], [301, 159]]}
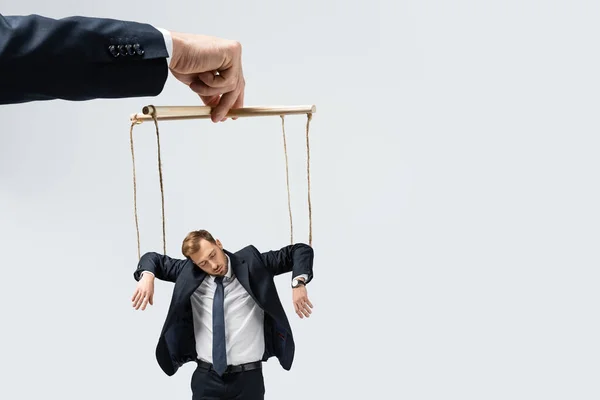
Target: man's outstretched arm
{"points": [[297, 258], [161, 266], [84, 58], [79, 58]]}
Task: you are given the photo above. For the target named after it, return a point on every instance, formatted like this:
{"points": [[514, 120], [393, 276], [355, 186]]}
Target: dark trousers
{"points": [[245, 385]]}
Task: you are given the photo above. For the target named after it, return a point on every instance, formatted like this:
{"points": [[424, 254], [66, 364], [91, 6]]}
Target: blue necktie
{"points": [[219, 351]]}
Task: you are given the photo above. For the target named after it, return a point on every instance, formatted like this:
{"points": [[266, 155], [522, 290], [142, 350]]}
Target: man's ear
{"points": [[219, 244]]}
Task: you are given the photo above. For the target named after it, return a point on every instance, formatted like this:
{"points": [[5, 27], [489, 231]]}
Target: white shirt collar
{"points": [[229, 273]]}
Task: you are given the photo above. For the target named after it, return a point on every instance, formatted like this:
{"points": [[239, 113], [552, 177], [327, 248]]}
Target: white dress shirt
{"points": [[168, 41], [244, 320]]}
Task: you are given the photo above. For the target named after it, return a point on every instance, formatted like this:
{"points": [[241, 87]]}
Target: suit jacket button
{"points": [[130, 50], [113, 50], [122, 50], [138, 49]]}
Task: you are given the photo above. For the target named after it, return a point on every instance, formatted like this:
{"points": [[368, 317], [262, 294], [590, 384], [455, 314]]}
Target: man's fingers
{"points": [[152, 299], [221, 99], [134, 295], [309, 303], [239, 103], [306, 310], [220, 111], [302, 308], [144, 303], [209, 84], [210, 101], [138, 295], [204, 90], [225, 104], [223, 80], [140, 298]]}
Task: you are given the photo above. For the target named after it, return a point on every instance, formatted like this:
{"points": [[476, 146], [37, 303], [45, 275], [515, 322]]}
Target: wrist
{"points": [[148, 275], [178, 43], [298, 282]]}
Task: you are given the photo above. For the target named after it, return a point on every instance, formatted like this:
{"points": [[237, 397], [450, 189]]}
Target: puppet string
{"points": [[287, 176], [309, 117], [137, 227], [160, 176]]}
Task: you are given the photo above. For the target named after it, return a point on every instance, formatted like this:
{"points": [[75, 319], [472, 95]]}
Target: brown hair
{"points": [[191, 243]]}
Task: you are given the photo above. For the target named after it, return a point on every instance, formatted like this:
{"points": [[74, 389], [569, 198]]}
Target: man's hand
{"points": [[144, 292], [302, 305], [211, 67]]}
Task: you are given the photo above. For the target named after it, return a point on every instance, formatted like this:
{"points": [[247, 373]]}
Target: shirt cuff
{"points": [[168, 41], [305, 276]]}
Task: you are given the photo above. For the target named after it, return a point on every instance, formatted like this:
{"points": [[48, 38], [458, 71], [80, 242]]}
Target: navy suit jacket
{"points": [[79, 58], [255, 271]]}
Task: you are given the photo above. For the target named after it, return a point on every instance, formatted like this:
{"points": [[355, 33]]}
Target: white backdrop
{"points": [[455, 179]]}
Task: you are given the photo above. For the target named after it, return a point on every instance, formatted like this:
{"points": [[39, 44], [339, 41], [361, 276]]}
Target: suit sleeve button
{"points": [[113, 50], [138, 49]]}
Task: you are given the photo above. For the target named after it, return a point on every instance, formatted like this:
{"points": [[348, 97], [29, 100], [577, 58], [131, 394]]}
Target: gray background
{"points": [[456, 199]]}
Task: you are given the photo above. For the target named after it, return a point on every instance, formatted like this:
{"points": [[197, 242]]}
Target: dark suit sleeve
{"points": [[163, 267], [296, 258], [79, 58]]}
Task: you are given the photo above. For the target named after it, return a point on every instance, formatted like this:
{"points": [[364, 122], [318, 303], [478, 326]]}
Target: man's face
{"points": [[210, 258]]}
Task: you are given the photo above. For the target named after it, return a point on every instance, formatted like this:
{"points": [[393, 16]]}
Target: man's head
{"points": [[205, 252]]}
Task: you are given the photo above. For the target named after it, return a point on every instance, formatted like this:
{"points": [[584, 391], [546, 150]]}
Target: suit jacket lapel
{"points": [[240, 269], [266, 301], [189, 280]]}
